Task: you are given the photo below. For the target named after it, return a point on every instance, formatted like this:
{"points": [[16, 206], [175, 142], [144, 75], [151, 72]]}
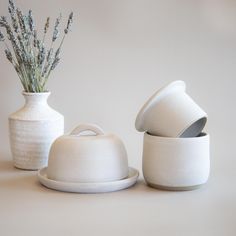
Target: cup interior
{"points": [[194, 129]]}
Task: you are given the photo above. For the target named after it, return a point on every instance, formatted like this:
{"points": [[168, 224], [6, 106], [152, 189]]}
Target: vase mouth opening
{"points": [[36, 93]]}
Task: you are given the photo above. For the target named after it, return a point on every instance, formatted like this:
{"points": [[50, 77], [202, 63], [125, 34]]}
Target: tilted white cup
{"points": [[87, 158], [171, 112], [176, 163]]}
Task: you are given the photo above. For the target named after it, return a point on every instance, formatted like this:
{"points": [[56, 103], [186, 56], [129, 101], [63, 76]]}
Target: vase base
{"points": [[27, 168]]}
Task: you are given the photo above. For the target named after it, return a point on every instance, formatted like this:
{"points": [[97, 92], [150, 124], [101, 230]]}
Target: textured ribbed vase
{"points": [[32, 130]]}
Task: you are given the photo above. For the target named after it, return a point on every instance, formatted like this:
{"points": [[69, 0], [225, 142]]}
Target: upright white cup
{"points": [[176, 163], [171, 112]]}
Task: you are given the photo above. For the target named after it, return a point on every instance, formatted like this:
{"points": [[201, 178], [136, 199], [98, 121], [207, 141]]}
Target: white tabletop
{"points": [[28, 208]]}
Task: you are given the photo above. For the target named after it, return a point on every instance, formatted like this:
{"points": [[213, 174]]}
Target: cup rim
{"points": [[201, 135], [177, 85]]}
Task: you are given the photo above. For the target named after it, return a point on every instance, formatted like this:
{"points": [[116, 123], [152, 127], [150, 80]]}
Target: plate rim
{"points": [[87, 187]]}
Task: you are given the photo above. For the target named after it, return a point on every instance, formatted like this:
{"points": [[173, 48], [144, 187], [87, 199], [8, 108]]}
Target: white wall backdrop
{"points": [[120, 52]]}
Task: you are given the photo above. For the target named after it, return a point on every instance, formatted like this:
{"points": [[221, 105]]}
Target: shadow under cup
{"points": [[176, 163]]}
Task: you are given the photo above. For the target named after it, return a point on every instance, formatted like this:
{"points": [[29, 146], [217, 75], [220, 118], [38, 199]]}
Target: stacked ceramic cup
{"points": [[175, 149]]}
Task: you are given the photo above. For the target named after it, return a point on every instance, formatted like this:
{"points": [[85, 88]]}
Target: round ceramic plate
{"points": [[101, 187], [178, 85]]}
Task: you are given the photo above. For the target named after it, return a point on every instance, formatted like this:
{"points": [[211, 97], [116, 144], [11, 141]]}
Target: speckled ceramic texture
{"points": [[32, 129]]}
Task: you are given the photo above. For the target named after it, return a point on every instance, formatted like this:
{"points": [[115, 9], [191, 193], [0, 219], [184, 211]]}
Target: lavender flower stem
{"points": [[26, 52]]}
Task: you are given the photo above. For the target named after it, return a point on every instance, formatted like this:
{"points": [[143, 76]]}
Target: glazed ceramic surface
{"points": [[100, 187], [95, 157], [171, 112], [176, 163], [32, 130]]}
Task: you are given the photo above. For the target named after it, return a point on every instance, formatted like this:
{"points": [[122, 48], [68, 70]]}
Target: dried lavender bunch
{"points": [[27, 53]]}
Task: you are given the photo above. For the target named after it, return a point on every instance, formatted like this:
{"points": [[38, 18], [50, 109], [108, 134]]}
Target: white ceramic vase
{"points": [[32, 130]]}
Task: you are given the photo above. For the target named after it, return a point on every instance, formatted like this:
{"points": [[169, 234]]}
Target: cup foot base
{"points": [[169, 188]]}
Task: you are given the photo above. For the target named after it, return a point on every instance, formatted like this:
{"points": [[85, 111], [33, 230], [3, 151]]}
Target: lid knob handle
{"points": [[87, 127]]}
